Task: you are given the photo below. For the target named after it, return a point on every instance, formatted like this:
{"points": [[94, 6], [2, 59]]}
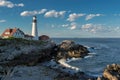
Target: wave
{"points": [[88, 56], [97, 47], [62, 66], [72, 59], [65, 64]]}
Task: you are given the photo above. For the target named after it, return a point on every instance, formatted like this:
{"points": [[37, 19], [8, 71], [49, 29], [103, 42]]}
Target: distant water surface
{"points": [[106, 51]]}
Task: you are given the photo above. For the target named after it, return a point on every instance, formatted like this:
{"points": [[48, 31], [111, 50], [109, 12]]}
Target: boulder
{"points": [[44, 37], [111, 72], [66, 44], [69, 49]]}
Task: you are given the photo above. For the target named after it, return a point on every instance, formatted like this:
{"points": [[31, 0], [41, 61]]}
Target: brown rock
{"points": [[112, 72], [68, 49], [44, 37]]}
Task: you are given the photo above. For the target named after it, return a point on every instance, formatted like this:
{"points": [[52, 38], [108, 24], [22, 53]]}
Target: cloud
{"points": [[31, 13], [73, 26], [117, 29], [100, 28], [74, 16], [20, 5], [9, 4], [65, 25], [90, 16], [93, 28], [54, 13], [86, 26], [2, 21]]}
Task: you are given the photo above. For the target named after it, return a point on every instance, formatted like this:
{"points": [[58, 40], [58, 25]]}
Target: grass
{"points": [[21, 41]]}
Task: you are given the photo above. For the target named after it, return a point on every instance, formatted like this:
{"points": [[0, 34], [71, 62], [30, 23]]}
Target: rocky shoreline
{"points": [[48, 55]]}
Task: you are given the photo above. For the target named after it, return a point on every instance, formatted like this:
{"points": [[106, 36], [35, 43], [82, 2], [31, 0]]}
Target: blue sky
{"points": [[63, 18]]}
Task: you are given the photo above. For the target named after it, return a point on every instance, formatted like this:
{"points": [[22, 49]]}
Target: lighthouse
{"points": [[34, 28]]}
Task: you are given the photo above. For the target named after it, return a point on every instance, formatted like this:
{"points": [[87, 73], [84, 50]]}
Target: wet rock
{"points": [[69, 49], [111, 72], [65, 76], [77, 76], [66, 44]]}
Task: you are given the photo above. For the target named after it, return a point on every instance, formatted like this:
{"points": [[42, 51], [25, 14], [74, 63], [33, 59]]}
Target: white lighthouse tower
{"points": [[34, 28]]}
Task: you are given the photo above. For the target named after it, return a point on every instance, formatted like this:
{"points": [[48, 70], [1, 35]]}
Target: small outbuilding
{"points": [[44, 37]]}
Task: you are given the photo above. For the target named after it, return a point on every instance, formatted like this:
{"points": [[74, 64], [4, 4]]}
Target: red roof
{"points": [[9, 32]]}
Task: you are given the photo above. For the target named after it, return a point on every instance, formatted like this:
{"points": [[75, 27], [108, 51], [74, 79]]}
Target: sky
{"points": [[63, 18]]}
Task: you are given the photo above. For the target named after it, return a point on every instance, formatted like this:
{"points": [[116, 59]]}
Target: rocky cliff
{"points": [[20, 51], [19, 59]]}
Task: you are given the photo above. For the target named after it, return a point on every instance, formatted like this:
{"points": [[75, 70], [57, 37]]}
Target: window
{"points": [[7, 32]]}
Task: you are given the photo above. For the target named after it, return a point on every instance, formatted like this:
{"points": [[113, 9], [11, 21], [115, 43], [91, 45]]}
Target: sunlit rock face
{"points": [[69, 49], [111, 72]]}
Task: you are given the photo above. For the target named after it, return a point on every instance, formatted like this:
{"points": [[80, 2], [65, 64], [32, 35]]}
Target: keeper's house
{"points": [[16, 33]]}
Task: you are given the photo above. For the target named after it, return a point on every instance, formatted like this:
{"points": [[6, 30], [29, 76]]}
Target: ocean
{"points": [[103, 51]]}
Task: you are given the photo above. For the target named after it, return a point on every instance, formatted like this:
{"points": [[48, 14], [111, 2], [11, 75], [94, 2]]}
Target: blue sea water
{"points": [[106, 51]]}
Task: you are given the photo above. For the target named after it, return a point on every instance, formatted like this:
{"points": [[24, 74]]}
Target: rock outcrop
{"points": [[77, 76], [69, 49], [19, 51], [111, 72]]}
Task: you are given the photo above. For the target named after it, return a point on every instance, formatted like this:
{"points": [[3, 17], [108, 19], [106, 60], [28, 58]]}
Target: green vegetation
{"points": [[17, 41]]}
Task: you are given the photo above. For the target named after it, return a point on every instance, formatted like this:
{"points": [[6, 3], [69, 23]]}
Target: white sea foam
{"points": [[88, 56], [65, 64], [87, 46], [72, 59]]}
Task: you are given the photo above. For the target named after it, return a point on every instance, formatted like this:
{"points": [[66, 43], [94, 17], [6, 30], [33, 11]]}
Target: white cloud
{"points": [[74, 16], [93, 28], [31, 13], [65, 25], [42, 11], [90, 16], [99, 28], [117, 29], [20, 5], [86, 26], [54, 13], [9, 4], [2, 21], [114, 29], [73, 26]]}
